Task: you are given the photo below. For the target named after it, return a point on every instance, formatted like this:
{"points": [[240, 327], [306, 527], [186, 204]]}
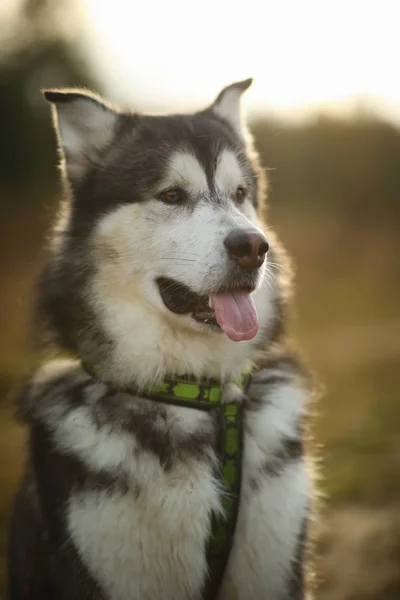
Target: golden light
{"points": [[302, 55]]}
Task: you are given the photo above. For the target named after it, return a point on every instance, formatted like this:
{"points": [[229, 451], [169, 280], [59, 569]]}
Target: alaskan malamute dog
{"points": [[165, 453]]}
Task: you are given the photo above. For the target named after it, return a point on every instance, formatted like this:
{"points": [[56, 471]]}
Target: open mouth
{"points": [[231, 311]]}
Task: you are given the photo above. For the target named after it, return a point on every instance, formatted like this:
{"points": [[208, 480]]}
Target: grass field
{"points": [[348, 324]]}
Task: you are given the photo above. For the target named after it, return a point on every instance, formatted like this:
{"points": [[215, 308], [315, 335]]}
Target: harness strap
{"points": [[224, 525]]}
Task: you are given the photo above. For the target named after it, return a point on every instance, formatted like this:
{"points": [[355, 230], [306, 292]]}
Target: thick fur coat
{"points": [[120, 490]]}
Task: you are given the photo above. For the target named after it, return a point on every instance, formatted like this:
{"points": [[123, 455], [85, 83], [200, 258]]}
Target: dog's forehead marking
{"points": [[228, 174], [185, 169]]}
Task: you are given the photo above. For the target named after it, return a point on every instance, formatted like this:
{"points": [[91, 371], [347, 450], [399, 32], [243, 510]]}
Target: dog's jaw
{"points": [[149, 343]]}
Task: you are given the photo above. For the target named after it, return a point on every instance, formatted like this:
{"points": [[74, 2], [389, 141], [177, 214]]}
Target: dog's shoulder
{"points": [[56, 382], [92, 420]]}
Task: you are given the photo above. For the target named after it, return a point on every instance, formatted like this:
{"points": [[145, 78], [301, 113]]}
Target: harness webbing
{"points": [[223, 527]]}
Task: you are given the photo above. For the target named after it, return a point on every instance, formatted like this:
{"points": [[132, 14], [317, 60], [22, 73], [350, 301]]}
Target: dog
{"points": [[160, 268]]}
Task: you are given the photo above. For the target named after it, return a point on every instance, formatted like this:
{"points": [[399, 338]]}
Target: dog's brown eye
{"points": [[240, 194], [171, 196]]}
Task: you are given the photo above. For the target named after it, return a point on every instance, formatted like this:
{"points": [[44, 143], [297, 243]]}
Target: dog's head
{"points": [[162, 223]]}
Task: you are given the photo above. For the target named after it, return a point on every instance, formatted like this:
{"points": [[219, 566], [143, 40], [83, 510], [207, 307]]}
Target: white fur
{"points": [[98, 448], [228, 174], [185, 170], [139, 551], [268, 527], [278, 419]]}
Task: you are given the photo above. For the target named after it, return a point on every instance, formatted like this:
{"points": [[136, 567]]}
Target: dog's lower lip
{"points": [[180, 299], [206, 319]]}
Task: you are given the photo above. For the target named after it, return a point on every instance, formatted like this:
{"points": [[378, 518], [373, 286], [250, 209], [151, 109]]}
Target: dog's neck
{"points": [[186, 391]]}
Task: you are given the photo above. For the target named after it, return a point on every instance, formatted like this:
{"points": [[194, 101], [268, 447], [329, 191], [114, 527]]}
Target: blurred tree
{"points": [[351, 166], [40, 41]]}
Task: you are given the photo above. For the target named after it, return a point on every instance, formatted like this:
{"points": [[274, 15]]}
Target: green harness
{"points": [[208, 396]]}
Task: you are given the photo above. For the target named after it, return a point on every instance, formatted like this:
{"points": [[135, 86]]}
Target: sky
{"points": [[303, 55]]}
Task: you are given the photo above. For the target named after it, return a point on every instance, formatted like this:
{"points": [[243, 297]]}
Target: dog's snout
{"points": [[247, 248]]}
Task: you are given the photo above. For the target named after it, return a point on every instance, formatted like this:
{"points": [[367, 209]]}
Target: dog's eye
{"points": [[240, 194], [171, 196]]}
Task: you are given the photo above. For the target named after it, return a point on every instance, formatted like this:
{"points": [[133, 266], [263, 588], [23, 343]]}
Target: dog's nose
{"points": [[248, 249]]}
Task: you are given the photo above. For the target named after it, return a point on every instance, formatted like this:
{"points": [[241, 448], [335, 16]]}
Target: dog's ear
{"points": [[84, 126], [228, 104]]}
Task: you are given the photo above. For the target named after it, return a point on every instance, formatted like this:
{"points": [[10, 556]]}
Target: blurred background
{"points": [[325, 112]]}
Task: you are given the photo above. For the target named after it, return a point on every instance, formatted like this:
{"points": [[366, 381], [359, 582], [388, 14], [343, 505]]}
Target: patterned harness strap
{"points": [[223, 529]]}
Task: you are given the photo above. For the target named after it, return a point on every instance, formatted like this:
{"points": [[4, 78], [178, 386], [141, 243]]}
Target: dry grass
{"points": [[359, 554]]}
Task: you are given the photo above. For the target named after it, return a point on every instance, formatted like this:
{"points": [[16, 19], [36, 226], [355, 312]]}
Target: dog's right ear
{"points": [[84, 126], [227, 105]]}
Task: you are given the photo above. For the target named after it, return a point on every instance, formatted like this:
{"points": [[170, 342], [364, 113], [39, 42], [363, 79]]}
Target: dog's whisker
{"points": [[175, 286], [268, 283], [177, 259], [276, 266], [269, 279]]}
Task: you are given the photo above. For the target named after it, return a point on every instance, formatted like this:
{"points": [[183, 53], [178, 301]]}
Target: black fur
{"points": [[297, 582], [56, 475]]}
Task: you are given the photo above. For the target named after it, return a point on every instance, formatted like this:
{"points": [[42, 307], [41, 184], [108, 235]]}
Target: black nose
{"points": [[248, 249]]}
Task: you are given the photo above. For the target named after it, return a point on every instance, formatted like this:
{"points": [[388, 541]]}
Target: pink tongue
{"points": [[236, 315]]}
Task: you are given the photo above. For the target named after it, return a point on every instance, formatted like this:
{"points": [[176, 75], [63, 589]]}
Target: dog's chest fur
{"points": [[142, 487]]}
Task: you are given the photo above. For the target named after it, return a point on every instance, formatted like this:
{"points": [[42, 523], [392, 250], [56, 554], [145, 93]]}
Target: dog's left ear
{"points": [[84, 124], [227, 105]]}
